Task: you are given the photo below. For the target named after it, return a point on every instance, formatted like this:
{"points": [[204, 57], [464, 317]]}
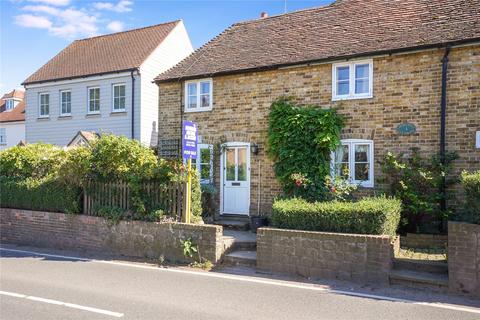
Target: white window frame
{"points": [[65, 114], [40, 115], [113, 97], [351, 143], [352, 95], [88, 100], [198, 162], [9, 105], [198, 84], [3, 136]]}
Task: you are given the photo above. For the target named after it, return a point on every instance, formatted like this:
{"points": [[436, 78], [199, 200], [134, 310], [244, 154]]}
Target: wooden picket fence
{"points": [[117, 194]]}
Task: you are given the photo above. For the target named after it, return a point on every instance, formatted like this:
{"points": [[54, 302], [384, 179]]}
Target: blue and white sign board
{"points": [[189, 140]]}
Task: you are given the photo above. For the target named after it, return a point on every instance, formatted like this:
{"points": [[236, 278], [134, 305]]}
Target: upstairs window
{"points": [[65, 103], [118, 97], [44, 105], [204, 163], [354, 161], [198, 95], [352, 80], [3, 136], [94, 100], [10, 104]]}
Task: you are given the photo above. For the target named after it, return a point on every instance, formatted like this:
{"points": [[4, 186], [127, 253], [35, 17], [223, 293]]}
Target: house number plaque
{"points": [[406, 128]]}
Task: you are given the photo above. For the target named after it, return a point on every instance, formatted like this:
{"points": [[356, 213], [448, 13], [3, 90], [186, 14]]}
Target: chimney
{"points": [[263, 15]]}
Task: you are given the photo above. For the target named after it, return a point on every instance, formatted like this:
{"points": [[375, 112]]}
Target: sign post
{"points": [[189, 152]]}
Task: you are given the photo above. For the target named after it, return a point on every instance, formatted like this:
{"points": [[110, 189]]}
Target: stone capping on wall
{"points": [[464, 258], [136, 239], [351, 257]]}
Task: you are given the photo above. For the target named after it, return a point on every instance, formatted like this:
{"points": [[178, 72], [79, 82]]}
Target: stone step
{"points": [[246, 258], [419, 280], [234, 224], [238, 240], [420, 265]]}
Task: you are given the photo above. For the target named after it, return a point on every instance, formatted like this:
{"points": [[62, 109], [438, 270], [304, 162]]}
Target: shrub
{"points": [[36, 160], [45, 194], [379, 215], [300, 142], [416, 182], [471, 185]]}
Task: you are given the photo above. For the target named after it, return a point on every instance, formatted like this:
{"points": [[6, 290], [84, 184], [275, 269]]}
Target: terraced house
{"points": [[404, 74], [103, 85]]}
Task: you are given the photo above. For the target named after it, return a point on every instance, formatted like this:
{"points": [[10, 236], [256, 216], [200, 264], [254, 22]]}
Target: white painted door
{"points": [[236, 179]]}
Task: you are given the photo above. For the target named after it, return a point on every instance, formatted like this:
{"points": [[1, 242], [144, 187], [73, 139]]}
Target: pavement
{"points": [[49, 284]]}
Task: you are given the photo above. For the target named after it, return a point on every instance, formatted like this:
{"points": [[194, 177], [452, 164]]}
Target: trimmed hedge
{"points": [[471, 185], [45, 194], [368, 216]]}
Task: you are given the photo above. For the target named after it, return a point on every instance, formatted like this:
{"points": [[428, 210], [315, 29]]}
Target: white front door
{"points": [[236, 179]]}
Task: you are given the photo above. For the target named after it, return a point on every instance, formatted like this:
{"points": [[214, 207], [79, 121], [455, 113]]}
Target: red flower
{"points": [[333, 189], [298, 183]]}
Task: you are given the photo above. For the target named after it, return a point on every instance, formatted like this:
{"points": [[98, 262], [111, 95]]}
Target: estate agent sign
{"points": [[189, 140]]}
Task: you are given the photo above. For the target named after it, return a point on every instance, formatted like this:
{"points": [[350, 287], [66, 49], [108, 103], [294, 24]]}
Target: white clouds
{"points": [[53, 2], [31, 21], [121, 6], [71, 22], [116, 26]]}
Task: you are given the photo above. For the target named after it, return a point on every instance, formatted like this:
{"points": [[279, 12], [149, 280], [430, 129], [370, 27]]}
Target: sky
{"points": [[33, 31]]}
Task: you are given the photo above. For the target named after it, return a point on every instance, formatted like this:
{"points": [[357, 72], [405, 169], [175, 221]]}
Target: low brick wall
{"points": [[464, 258], [136, 239], [359, 258], [424, 241]]}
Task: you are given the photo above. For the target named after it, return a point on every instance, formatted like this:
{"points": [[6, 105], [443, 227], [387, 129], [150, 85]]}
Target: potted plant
{"points": [[258, 221]]}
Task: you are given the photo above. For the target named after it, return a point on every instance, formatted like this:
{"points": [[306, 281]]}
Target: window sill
{"points": [[93, 115], [370, 96], [3, 144], [64, 117], [198, 110], [43, 118], [118, 113]]}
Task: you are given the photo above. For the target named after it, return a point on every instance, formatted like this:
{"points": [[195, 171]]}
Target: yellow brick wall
{"points": [[406, 88]]}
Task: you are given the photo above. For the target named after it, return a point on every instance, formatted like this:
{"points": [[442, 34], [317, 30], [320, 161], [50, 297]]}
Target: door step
{"points": [[245, 258], [440, 267], [234, 224], [419, 279]]}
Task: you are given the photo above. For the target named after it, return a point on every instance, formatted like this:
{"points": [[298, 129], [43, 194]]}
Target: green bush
{"points": [[471, 185], [379, 215], [36, 160], [45, 194]]}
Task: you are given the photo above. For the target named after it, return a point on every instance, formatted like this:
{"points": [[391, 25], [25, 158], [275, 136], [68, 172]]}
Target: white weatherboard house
{"points": [[104, 85], [12, 119]]}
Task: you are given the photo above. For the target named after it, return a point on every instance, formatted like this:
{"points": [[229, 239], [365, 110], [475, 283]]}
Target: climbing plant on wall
{"points": [[300, 142]]}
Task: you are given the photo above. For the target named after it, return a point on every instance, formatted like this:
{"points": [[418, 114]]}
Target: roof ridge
{"points": [[131, 30], [280, 15]]}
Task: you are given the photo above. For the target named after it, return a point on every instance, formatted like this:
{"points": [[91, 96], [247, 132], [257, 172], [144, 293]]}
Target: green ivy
{"points": [[300, 141]]}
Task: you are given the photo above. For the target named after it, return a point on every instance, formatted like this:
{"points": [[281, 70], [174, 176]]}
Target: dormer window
{"points": [[10, 104]]}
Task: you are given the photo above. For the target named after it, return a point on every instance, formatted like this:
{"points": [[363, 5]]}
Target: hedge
{"points": [[378, 216], [471, 185], [45, 194]]}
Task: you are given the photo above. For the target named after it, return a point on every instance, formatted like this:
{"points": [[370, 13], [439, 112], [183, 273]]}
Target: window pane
{"points": [[192, 89], [343, 73], [122, 91], [242, 164], [361, 153], [343, 88], [116, 91], [341, 170], [205, 155], [362, 86], [122, 103], [341, 155], [205, 87], [205, 100], [361, 171], [192, 102], [361, 71], [230, 165], [205, 172]]}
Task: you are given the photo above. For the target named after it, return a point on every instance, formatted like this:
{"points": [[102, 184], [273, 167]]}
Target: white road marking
{"points": [[306, 286], [61, 303]]}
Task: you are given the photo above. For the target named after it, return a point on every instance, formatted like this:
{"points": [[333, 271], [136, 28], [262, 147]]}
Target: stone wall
{"points": [[464, 258], [94, 234], [406, 88], [350, 257]]}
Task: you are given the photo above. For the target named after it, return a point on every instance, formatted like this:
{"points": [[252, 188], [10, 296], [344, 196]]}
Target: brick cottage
{"points": [[379, 62]]}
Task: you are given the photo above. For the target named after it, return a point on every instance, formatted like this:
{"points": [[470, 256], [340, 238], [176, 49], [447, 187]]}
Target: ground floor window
{"points": [[353, 160], [3, 136], [204, 163]]}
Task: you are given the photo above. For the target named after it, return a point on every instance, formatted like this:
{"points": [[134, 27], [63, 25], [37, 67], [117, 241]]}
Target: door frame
{"points": [[222, 155]]}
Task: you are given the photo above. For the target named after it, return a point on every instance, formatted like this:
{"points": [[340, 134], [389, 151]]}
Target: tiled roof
{"points": [[17, 113], [103, 54], [15, 93], [346, 28]]}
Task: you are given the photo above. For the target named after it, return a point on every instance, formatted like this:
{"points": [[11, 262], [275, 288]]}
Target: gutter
{"points": [[78, 77], [443, 116], [330, 59]]}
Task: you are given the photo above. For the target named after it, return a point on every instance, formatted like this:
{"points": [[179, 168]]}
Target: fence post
{"points": [[184, 202]]}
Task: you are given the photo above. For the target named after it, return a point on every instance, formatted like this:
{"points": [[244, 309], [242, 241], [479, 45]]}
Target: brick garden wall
{"points": [[94, 234], [406, 88], [464, 258], [350, 257], [424, 241]]}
